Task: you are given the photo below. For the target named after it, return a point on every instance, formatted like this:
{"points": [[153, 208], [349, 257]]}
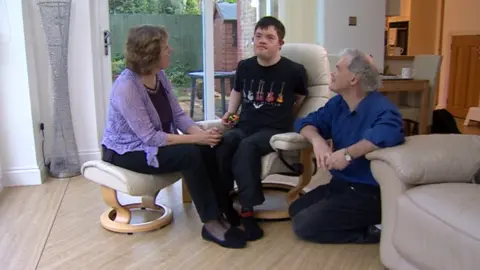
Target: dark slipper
{"points": [[232, 239], [233, 217], [252, 229]]}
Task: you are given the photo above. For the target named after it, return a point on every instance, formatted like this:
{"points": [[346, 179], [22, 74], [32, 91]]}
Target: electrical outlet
{"points": [[352, 21]]}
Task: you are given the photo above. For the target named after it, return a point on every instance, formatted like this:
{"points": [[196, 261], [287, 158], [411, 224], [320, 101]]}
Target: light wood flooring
{"points": [[56, 226]]}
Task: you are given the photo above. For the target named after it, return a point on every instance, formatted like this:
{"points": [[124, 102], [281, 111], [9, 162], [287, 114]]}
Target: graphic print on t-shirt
{"points": [[274, 97], [250, 93], [269, 93]]}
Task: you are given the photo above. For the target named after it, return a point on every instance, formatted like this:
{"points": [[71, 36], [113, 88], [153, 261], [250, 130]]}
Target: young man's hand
{"points": [[226, 121]]}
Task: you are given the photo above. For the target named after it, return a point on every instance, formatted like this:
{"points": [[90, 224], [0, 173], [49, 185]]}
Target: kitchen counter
{"points": [[400, 57]]}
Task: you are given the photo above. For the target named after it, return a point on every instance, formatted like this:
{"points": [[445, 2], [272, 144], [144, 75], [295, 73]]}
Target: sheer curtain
{"points": [[1, 174]]}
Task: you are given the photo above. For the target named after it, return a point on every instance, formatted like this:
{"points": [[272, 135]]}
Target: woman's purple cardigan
{"points": [[133, 123]]}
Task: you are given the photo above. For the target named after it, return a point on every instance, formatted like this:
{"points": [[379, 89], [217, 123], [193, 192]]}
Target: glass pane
{"points": [[226, 44], [183, 20], [234, 24]]}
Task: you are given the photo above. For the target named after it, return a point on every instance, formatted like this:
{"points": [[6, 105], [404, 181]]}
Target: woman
{"points": [[141, 136]]}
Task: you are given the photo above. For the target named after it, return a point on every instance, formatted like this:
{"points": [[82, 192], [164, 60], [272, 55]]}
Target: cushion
{"points": [[313, 57], [437, 226], [126, 181], [271, 163]]}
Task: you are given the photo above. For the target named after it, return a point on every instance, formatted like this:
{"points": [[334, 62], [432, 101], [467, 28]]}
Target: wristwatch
{"points": [[347, 155]]}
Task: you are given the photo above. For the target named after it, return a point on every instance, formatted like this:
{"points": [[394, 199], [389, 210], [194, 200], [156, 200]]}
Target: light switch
{"points": [[352, 20]]}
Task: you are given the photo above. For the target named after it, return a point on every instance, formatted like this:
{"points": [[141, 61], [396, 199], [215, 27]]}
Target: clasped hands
{"points": [[211, 136], [328, 160]]}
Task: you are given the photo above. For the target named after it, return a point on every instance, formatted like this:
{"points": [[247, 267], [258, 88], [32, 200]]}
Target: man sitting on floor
{"points": [[358, 120]]}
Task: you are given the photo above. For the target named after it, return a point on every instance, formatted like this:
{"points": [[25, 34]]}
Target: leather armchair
{"points": [[293, 153], [430, 202]]}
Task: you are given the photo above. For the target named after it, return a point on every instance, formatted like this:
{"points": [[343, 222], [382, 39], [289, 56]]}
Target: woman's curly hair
{"points": [[143, 48]]}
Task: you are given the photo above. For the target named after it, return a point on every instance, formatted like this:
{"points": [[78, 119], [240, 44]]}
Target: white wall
{"points": [[300, 20], [334, 33], [26, 95], [325, 22], [19, 108], [4, 37]]}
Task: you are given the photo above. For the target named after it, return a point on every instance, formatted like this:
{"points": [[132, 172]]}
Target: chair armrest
{"points": [[211, 123], [289, 141], [430, 159]]}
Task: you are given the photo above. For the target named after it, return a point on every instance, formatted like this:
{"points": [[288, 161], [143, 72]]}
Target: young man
{"points": [[271, 89], [358, 120]]}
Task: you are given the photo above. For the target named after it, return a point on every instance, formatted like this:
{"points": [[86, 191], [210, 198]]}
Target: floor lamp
{"points": [[63, 156]]}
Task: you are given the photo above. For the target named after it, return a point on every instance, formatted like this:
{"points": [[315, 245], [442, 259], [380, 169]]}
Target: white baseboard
{"points": [[87, 155], [36, 176], [24, 177]]}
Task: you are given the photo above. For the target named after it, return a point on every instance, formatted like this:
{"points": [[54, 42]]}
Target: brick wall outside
{"points": [[225, 51], [246, 19]]}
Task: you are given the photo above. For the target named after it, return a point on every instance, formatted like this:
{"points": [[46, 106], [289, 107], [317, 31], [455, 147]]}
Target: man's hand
{"points": [[337, 160], [322, 152]]}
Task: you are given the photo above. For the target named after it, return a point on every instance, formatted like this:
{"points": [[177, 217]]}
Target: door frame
{"points": [[102, 67]]}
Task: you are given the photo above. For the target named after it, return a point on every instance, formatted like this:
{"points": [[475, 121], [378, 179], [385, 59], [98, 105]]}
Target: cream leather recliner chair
{"points": [[293, 153], [291, 150], [430, 205]]}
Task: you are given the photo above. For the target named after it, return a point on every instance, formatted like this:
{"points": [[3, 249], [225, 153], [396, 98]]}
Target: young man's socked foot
{"points": [[233, 217], [251, 227]]}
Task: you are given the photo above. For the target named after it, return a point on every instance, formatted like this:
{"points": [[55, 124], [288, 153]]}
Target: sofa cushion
{"points": [[438, 226]]}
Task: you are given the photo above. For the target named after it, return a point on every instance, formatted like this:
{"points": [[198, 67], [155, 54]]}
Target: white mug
{"points": [[398, 50], [407, 73]]}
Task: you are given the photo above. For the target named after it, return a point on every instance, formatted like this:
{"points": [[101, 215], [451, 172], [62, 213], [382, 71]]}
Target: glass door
{"points": [[190, 27], [234, 23]]}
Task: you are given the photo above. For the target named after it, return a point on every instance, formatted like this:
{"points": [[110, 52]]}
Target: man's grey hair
{"points": [[359, 63]]}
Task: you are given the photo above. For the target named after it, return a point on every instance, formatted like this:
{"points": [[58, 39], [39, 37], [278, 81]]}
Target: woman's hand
{"points": [[209, 137]]}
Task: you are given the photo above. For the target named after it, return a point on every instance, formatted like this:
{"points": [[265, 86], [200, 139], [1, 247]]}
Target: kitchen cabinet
{"points": [[394, 7]]}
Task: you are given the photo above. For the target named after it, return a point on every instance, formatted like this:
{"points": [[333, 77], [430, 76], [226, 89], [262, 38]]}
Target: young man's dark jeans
{"points": [[239, 158], [339, 212]]}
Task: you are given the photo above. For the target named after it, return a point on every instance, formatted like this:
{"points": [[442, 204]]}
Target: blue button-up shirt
{"points": [[375, 119]]}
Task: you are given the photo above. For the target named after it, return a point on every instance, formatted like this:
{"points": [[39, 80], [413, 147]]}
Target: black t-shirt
{"points": [[269, 93]]}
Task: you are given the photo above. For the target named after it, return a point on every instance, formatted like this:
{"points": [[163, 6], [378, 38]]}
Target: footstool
{"points": [[114, 179]]}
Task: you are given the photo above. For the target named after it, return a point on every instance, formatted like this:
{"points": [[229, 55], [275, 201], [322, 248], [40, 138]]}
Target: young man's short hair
{"points": [[267, 21]]}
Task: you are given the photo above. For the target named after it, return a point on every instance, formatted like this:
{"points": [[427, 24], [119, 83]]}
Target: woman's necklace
{"points": [[151, 90]]}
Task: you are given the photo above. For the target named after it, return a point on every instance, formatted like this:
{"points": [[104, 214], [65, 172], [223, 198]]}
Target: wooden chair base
{"points": [[119, 217], [265, 212]]}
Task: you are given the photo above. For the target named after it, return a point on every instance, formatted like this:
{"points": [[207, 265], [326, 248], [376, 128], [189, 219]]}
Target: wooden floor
{"points": [[56, 226]]}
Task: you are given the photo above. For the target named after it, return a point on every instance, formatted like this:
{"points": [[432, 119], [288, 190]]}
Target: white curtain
{"points": [[1, 176]]}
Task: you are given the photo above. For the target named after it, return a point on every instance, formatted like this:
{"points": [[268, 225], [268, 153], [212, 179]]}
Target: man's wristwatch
{"points": [[347, 155]]}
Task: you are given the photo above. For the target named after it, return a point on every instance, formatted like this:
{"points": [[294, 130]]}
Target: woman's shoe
{"points": [[232, 238]]}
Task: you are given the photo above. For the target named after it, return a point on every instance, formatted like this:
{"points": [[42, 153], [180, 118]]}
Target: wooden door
{"points": [[464, 76]]}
